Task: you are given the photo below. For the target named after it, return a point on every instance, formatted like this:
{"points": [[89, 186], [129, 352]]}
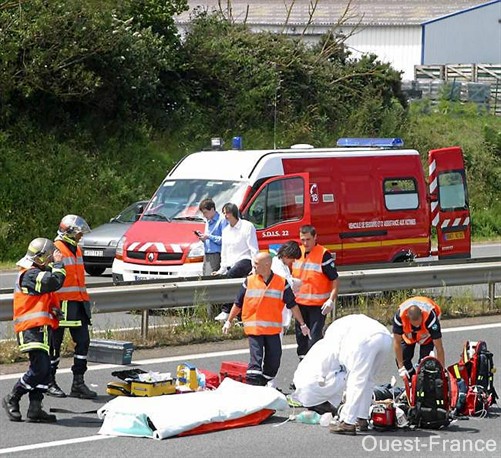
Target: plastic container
{"points": [[325, 419], [308, 417]]}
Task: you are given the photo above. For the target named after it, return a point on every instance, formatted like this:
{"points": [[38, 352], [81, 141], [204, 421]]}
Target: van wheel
{"points": [[94, 271]]}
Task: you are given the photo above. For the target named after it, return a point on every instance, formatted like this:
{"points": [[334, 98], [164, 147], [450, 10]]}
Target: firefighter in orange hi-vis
{"points": [[36, 314], [417, 321], [318, 292], [75, 306], [260, 301]]}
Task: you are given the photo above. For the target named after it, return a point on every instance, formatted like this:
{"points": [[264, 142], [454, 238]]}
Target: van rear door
{"points": [[278, 209], [450, 213]]}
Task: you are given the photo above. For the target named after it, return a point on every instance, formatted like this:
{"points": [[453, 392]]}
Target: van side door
{"points": [[278, 209], [450, 212]]}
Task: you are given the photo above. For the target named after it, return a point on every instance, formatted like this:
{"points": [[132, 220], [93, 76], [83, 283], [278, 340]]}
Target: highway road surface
{"points": [[77, 434]]}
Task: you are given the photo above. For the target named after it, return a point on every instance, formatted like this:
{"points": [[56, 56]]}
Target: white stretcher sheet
{"points": [[165, 416]]}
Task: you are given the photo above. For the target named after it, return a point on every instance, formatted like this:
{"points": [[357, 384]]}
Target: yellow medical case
{"points": [[153, 388], [118, 388]]}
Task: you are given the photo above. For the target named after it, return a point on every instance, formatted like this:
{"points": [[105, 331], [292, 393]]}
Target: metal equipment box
{"points": [[110, 351]]}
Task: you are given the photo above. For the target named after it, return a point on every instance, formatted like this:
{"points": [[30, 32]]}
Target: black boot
{"points": [[80, 390], [11, 405], [37, 415], [54, 389]]}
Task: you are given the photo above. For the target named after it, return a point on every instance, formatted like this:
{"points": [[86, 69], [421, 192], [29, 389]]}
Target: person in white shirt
{"points": [[239, 246], [282, 265]]}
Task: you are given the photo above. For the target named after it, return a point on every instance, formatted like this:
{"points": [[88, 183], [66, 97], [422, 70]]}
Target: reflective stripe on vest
{"points": [[32, 316], [263, 305], [277, 294], [265, 324], [316, 287]]}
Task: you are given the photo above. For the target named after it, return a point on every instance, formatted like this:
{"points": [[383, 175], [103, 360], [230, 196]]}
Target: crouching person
{"points": [[260, 301], [347, 358], [36, 314]]}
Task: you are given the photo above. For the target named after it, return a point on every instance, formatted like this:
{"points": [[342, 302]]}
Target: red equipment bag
{"points": [[235, 370], [475, 373], [383, 416]]}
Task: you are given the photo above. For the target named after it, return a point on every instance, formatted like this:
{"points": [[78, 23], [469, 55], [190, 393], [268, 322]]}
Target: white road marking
{"points": [[31, 447]]}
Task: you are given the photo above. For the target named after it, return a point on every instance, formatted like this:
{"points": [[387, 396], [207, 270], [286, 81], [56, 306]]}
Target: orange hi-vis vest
{"points": [[427, 306], [31, 311], [263, 305], [74, 285], [316, 287]]}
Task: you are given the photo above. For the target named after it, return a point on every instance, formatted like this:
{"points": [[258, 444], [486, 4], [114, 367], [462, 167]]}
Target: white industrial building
{"points": [[471, 36], [391, 29]]}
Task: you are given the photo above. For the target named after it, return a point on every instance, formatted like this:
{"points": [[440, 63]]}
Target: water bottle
{"points": [[201, 381], [308, 417], [325, 419]]}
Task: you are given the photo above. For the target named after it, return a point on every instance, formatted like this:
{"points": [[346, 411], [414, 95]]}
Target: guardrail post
{"points": [[492, 294], [145, 318]]}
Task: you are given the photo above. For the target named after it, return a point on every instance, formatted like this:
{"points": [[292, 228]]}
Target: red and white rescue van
{"points": [[369, 202]]}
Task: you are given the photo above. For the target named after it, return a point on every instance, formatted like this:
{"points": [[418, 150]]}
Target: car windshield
{"points": [[130, 214], [179, 199]]}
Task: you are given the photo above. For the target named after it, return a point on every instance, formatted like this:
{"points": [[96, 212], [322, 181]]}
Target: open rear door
{"points": [[450, 213]]}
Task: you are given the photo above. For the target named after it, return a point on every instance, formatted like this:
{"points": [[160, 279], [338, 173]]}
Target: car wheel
{"points": [[94, 271]]}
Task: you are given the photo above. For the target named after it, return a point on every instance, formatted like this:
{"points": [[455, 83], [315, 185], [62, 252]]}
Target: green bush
{"points": [[44, 179], [236, 80]]}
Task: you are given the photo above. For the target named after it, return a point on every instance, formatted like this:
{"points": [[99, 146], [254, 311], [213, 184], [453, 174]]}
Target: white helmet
{"points": [[72, 225], [39, 252]]}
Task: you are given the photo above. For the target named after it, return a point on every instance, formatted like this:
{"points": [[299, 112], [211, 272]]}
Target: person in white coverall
{"points": [[348, 357]]}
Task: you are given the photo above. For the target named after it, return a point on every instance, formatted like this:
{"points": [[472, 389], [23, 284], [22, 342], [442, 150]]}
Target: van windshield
{"points": [[179, 199]]}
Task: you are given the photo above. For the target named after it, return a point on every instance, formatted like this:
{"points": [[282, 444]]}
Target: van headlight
{"points": [[196, 250]]}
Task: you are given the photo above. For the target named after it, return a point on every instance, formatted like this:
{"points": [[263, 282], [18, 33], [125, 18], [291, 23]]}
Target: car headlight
{"points": [[196, 250], [120, 247], [113, 243]]}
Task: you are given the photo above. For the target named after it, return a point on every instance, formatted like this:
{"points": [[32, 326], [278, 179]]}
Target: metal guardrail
{"points": [[216, 291]]}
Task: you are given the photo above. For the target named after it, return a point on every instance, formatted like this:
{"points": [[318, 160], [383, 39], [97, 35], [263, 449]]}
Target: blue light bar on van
{"points": [[237, 143], [371, 142]]}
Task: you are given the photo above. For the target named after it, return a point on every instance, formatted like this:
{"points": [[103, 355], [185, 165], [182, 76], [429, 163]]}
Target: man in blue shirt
{"points": [[212, 236]]}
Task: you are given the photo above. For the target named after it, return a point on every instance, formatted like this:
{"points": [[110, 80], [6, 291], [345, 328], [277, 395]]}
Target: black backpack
{"points": [[430, 402]]}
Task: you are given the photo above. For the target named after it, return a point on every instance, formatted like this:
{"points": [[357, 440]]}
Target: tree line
{"points": [[99, 98]]}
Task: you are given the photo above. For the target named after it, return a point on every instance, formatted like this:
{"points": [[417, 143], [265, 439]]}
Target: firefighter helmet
{"points": [[39, 252], [72, 225]]}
